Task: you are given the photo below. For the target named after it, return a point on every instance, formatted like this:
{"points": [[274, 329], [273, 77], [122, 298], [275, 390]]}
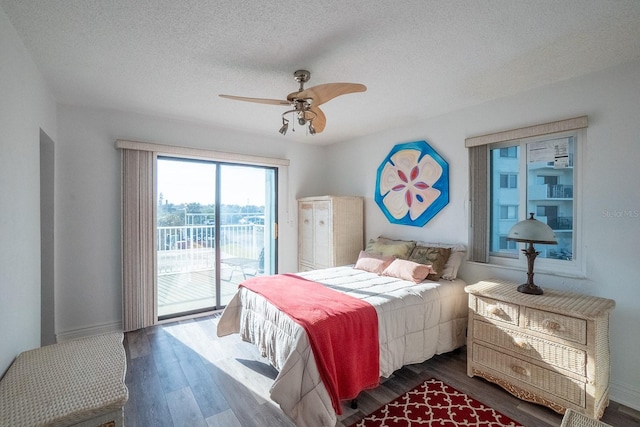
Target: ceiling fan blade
{"points": [[293, 96], [258, 100], [326, 92], [320, 121]]}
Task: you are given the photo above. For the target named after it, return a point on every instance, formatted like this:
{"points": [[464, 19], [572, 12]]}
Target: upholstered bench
{"points": [[79, 383]]}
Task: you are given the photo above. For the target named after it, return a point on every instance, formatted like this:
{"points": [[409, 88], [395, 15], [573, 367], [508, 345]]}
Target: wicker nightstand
{"points": [[551, 349]]}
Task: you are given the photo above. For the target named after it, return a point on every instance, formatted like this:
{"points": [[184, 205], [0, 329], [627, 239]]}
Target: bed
{"points": [[415, 322]]}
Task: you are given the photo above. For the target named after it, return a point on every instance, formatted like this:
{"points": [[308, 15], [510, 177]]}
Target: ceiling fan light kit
{"points": [[305, 102], [285, 126]]}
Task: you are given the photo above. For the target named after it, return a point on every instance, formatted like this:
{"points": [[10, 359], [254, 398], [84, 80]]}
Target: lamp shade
{"points": [[532, 231]]}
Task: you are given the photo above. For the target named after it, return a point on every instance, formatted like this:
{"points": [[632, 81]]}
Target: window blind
{"points": [[479, 203], [138, 225]]}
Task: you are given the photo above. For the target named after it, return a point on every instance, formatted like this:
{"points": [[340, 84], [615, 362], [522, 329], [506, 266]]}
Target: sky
{"points": [[194, 182]]}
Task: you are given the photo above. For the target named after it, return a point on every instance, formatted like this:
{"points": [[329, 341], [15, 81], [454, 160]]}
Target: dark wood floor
{"points": [[182, 374]]}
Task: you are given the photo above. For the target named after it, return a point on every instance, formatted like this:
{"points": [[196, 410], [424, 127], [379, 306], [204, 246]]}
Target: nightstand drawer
{"points": [[554, 354], [546, 380], [497, 310], [556, 325]]}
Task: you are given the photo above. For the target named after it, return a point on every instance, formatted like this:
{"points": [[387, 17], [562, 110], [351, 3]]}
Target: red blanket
{"points": [[342, 331]]}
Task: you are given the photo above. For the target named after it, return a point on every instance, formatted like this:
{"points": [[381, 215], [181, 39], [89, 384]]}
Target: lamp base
{"points": [[530, 288]]}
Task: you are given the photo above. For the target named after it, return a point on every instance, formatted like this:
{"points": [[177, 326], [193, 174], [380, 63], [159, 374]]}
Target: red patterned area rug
{"points": [[434, 403]]}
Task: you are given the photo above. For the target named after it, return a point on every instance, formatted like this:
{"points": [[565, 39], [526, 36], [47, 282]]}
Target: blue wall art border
{"points": [[412, 184]]}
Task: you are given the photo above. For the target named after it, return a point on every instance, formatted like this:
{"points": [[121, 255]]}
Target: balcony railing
{"points": [[191, 248]]}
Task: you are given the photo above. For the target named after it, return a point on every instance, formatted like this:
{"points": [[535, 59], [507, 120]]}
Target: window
{"points": [[508, 180], [548, 192], [550, 182], [513, 173], [508, 211], [505, 244], [511, 152]]}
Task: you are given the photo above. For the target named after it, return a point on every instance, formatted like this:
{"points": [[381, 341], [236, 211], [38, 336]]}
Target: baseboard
{"points": [[89, 331], [625, 395]]}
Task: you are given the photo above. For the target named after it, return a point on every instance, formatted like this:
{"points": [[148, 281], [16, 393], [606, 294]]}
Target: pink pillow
{"points": [[408, 270], [373, 263]]}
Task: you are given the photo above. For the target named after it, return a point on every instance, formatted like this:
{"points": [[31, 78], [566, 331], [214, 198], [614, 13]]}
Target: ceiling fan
{"points": [[305, 102]]}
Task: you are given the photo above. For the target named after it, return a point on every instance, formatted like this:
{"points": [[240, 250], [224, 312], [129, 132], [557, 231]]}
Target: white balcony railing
{"points": [[192, 247]]}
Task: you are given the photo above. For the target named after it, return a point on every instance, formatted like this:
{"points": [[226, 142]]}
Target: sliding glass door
{"points": [[216, 226]]}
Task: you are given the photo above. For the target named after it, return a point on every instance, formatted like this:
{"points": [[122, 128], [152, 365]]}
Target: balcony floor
{"points": [[189, 291]]}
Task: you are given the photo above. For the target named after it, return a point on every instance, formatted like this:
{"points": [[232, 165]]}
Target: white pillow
{"points": [[458, 253]]}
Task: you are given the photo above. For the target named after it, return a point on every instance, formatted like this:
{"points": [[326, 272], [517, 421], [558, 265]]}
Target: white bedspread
{"points": [[415, 321]]}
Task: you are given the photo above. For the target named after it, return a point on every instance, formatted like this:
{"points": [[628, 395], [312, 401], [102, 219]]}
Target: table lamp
{"points": [[531, 231]]}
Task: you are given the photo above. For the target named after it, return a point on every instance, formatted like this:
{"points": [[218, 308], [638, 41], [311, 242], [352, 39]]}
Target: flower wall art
{"points": [[412, 184]]}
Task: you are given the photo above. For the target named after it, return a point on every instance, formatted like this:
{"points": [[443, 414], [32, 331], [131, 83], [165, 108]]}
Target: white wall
{"points": [[611, 174], [87, 195], [88, 268], [26, 106]]}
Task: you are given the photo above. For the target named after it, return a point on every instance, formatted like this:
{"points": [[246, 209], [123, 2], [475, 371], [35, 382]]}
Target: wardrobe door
{"points": [[305, 236], [323, 234]]}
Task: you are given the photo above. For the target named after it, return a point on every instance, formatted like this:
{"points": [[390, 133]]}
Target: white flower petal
{"points": [[395, 204], [405, 160], [430, 170], [429, 196], [389, 178]]}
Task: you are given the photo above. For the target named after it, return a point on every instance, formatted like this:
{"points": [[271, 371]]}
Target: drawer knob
{"points": [[495, 310], [521, 370], [522, 344], [552, 325]]}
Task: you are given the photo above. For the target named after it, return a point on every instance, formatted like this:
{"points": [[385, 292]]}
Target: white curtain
{"points": [[138, 226]]}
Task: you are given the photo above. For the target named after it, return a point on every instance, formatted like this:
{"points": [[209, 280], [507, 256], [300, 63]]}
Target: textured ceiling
{"points": [[418, 58]]}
